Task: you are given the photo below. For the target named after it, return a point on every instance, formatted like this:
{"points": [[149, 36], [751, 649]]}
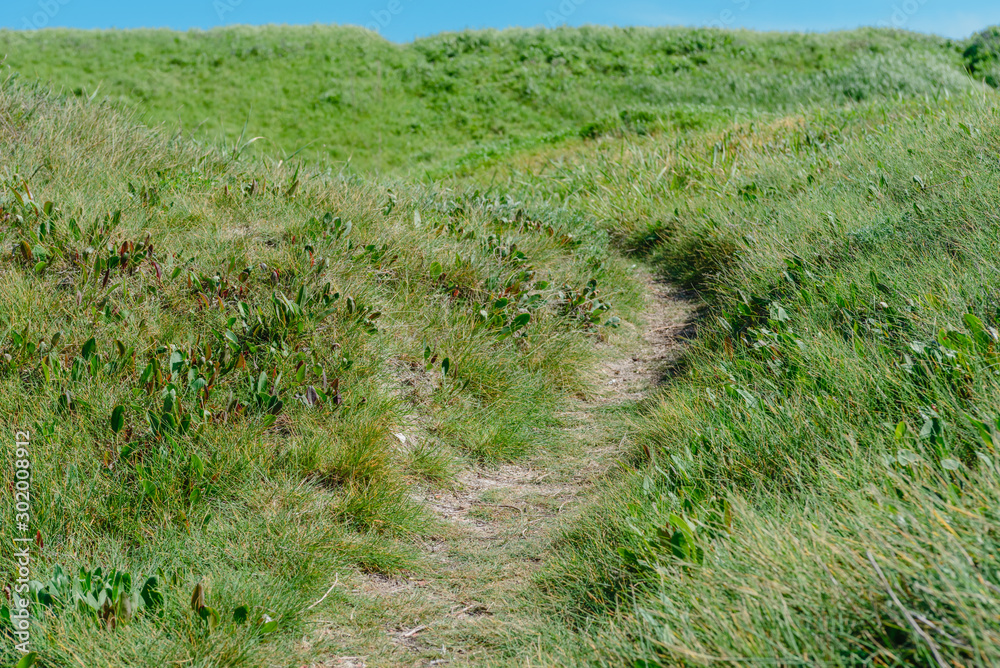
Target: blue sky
{"points": [[402, 20]]}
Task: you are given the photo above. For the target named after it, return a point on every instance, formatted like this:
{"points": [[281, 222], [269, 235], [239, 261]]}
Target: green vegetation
{"points": [[982, 56], [824, 482], [346, 95], [217, 353], [215, 349]]}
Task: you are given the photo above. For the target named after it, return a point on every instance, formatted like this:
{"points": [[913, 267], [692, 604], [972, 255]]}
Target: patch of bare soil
{"points": [[484, 500], [669, 323]]}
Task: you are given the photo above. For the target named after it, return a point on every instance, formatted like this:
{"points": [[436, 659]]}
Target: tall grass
{"points": [[216, 349], [824, 484], [213, 357]]}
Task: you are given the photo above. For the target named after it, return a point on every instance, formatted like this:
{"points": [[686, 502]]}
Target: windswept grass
{"points": [[213, 357], [824, 480], [217, 350]]}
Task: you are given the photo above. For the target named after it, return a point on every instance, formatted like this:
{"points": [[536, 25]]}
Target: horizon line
{"points": [[538, 27]]}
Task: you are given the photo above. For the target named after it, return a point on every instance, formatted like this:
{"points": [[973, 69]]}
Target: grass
{"points": [[237, 367], [262, 331], [343, 95], [824, 477]]}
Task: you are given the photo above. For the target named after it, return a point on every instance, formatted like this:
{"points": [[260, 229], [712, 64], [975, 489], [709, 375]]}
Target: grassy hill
{"points": [[344, 94], [820, 483], [216, 352], [223, 359]]}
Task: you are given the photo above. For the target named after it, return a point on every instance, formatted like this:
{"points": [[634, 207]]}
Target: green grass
{"points": [[214, 348], [262, 356], [829, 449], [344, 95]]}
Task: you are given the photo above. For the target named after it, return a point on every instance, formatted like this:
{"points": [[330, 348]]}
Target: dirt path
{"points": [[499, 522]]}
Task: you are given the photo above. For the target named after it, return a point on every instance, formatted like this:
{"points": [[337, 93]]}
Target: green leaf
{"points": [[900, 431], [955, 340], [749, 399], [168, 401], [436, 270], [240, 614], [679, 545], [445, 365], [932, 428], [520, 321], [88, 348], [985, 434], [681, 524], [980, 334], [197, 466], [777, 312], [40, 267], [27, 660], [973, 323], [151, 595], [628, 556], [951, 464], [209, 615], [117, 418]]}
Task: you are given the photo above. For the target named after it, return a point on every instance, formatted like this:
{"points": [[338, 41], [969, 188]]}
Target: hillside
{"points": [[225, 349], [698, 367], [344, 94], [820, 480]]}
